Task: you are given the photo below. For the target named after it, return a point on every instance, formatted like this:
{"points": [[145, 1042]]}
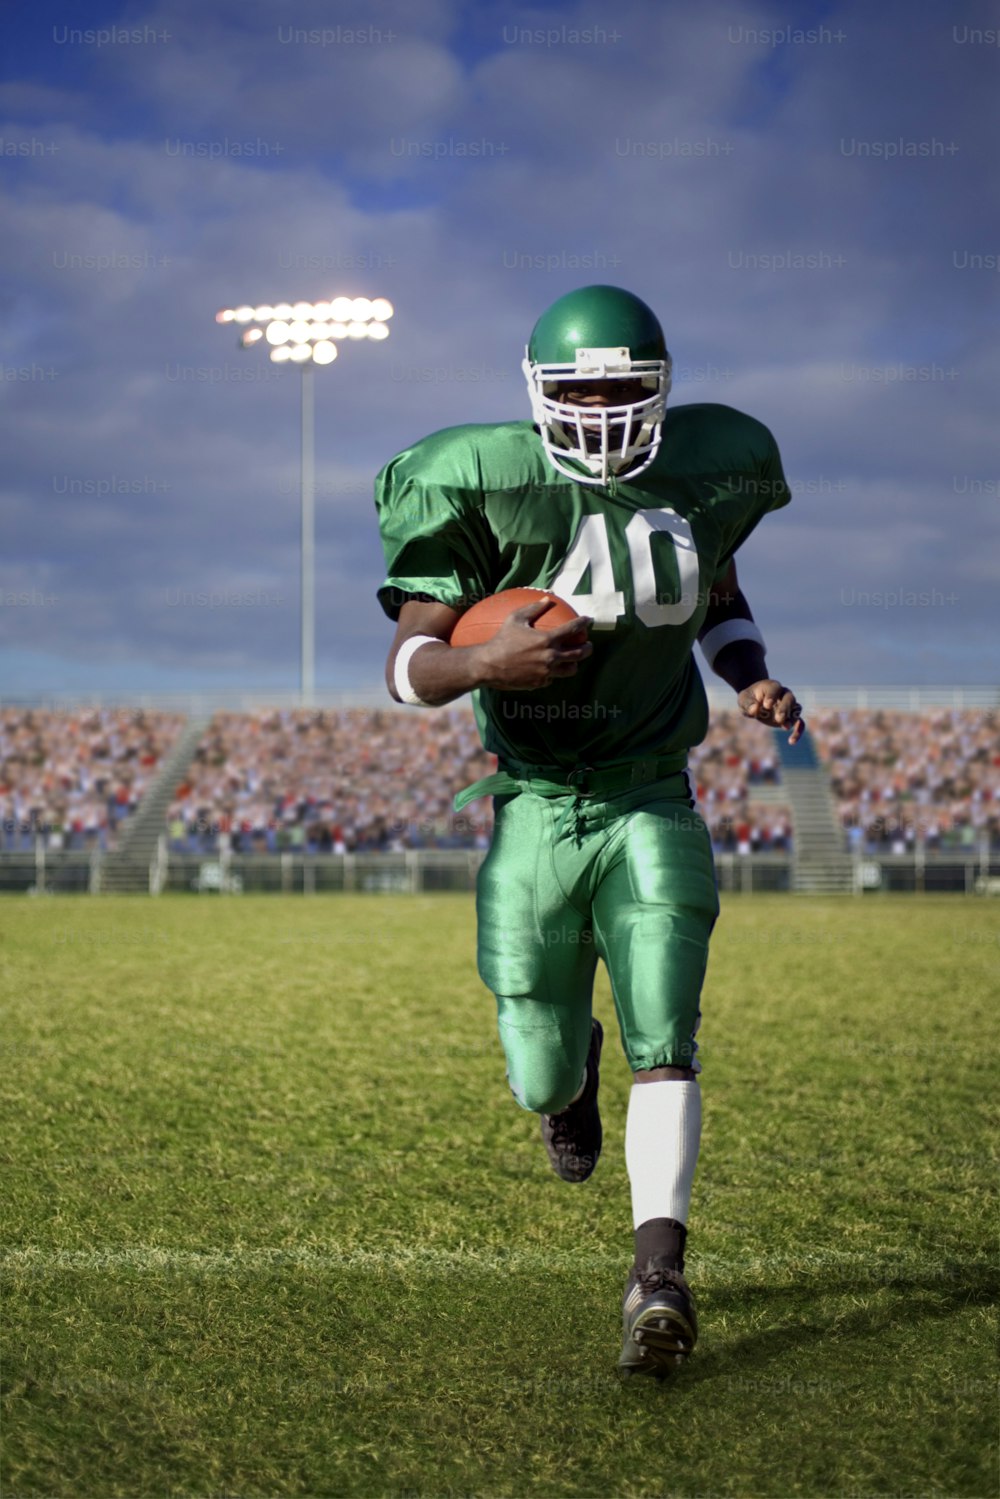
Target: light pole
{"points": [[307, 334]]}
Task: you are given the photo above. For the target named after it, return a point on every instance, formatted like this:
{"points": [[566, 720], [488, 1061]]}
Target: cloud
{"points": [[833, 293]]}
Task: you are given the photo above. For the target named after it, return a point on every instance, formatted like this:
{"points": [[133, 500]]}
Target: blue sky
{"points": [[806, 195]]}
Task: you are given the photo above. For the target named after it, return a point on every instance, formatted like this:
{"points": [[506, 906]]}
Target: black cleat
{"points": [[659, 1323], [573, 1136]]}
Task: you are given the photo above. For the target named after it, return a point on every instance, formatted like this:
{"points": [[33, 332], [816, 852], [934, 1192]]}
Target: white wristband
{"points": [[401, 671], [725, 634]]}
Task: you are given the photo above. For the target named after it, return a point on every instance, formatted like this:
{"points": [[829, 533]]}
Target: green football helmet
{"points": [[606, 334]]}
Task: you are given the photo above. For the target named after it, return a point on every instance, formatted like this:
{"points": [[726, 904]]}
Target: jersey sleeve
{"points": [[759, 488], [435, 538]]}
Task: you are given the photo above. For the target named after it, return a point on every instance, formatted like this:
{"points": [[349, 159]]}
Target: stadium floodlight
{"points": [[305, 334]]}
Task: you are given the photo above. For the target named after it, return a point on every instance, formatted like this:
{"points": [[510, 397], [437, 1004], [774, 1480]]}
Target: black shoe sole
{"points": [[658, 1343]]}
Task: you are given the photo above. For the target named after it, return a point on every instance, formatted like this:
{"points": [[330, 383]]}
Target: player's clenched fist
{"points": [[771, 703], [519, 658]]}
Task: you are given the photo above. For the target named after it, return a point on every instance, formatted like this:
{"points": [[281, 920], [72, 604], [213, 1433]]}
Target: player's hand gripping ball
{"points": [[483, 620]]}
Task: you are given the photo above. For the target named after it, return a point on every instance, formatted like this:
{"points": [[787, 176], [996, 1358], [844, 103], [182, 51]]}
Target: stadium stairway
{"points": [[127, 870], [819, 862]]}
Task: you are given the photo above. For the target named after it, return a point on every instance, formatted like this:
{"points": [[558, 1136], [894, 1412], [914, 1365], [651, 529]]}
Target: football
{"points": [[483, 620]]}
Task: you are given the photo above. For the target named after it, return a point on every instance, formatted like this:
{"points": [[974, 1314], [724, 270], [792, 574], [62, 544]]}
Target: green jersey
{"points": [[472, 510]]}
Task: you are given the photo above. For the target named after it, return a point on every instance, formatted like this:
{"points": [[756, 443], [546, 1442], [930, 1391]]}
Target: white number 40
{"points": [[605, 603]]}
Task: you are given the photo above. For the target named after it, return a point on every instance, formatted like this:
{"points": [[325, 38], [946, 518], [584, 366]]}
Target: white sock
{"points": [[662, 1134], [579, 1091]]}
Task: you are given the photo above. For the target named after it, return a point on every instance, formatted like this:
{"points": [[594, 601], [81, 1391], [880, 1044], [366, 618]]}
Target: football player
{"points": [[633, 514]]}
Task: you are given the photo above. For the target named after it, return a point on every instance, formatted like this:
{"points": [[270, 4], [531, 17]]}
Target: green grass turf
{"points": [[275, 1225]]}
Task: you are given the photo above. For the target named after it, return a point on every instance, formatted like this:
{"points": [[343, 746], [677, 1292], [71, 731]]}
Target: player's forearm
{"points": [[741, 664], [438, 673], [441, 673], [731, 642]]}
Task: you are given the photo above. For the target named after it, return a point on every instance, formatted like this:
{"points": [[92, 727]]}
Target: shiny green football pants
{"points": [[629, 879]]}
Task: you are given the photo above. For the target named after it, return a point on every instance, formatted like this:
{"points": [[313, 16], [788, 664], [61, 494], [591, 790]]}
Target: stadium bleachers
{"points": [[361, 781], [350, 779], [72, 777], [902, 779], [330, 781]]}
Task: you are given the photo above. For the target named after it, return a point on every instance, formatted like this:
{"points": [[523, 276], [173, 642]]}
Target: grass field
{"points": [[275, 1225]]}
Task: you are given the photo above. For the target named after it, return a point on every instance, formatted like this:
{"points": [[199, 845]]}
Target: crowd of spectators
{"points": [[72, 778], [331, 781], [357, 780], [733, 761], [904, 780], [361, 781]]}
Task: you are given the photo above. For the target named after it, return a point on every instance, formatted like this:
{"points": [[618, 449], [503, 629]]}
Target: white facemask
{"points": [[623, 440]]}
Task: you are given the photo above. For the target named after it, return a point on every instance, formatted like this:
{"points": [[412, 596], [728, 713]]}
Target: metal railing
{"points": [[421, 871]]}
